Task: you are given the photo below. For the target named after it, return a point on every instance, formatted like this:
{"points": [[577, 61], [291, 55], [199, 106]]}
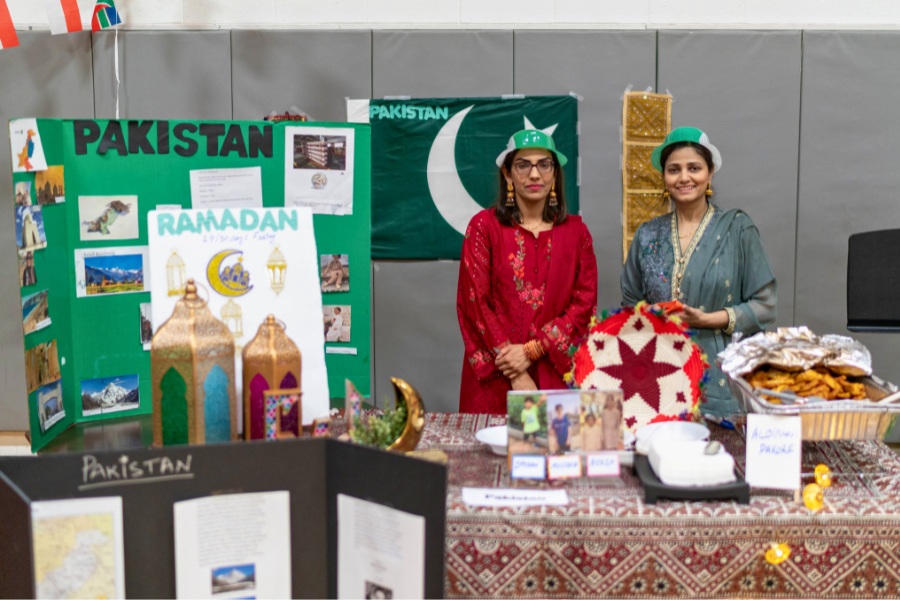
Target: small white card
{"points": [[528, 466], [508, 497], [567, 466], [773, 451], [603, 464]]}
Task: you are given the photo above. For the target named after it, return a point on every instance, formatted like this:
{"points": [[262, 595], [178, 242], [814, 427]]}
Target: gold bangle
{"points": [[533, 350], [732, 321]]}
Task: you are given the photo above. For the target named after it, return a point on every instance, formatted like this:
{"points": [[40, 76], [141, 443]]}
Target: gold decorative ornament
{"points": [[276, 266], [192, 372], [271, 360], [823, 476], [175, 277], [777, 554], [813, 497], [709, 190], [415, 416], [510, 197]]}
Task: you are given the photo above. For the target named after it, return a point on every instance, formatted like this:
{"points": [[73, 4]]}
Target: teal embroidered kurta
{"points": [[728, 268]]}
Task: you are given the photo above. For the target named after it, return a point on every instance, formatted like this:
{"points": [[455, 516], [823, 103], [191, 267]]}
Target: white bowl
{"points": [[668, 430], [495, 437]]}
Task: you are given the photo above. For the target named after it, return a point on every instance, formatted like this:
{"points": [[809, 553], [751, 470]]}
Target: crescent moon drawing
{"points": [[447, 191], [228, 288]]}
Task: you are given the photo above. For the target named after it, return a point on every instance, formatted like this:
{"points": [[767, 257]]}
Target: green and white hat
{"points": [[686, 134], [531, 138]]}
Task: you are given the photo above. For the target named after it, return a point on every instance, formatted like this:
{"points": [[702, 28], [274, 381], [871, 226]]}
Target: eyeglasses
{"points": [[524, 167]]}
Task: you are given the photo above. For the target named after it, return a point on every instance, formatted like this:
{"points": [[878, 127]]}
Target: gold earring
{"points": [[553, 200], [510, 197], [665, 195], [709, 191]]}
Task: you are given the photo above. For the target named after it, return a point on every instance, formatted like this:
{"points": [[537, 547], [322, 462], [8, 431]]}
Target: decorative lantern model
{"points": [[192, 365], [276, 266], [270, 361]]}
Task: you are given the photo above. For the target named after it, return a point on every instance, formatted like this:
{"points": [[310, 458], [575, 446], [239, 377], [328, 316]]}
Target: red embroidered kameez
{"points": [[514, 287]]}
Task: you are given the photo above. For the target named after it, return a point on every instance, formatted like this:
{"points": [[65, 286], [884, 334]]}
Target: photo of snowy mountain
{"points": [[109, 394]]}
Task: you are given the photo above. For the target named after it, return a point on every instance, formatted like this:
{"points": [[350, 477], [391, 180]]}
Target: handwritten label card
{"points": [[603, 464], [509, 497], [564, 467], [773, 451], [528, 466]]}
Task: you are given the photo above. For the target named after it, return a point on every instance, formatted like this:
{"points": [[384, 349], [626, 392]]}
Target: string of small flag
{"points": [[64, 17]]}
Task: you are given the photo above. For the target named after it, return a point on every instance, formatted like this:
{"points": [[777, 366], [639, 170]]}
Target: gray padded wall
{"points": [[163, 75], [312, 70], [602, 65], [46, 76], [849, 179], [743, 89], [415, 331]]}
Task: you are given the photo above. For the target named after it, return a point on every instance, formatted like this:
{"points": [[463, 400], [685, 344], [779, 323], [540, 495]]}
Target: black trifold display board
{"points": [[313, 471]]}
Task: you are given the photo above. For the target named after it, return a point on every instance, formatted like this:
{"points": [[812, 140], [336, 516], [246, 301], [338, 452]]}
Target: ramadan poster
{"points": [[248, 264]]}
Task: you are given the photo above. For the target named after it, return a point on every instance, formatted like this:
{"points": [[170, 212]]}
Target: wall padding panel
{"points": [[600, 66], [415, 330], [437, 64], [163, 74], [849, 179], [312, 70], [743, 89], [45, 76]]}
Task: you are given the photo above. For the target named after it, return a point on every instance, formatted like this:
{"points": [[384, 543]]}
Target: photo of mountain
{"points": [[109, 394]]}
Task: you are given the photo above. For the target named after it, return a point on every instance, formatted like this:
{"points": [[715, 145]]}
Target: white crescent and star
{"points": [[448, 193]]}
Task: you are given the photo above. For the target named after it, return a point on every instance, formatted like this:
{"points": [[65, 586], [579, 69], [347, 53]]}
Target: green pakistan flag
{"points": [[434, 165]]}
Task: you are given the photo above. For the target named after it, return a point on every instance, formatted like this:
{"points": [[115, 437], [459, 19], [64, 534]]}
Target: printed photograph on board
{"points": [[30, 234], [320, 152], [109, 394], [335, 273], [50, 405], [600, 421], [50, 185], [378, 591], [527, 422], [234, 578], [35, 311], [41, 365], [27, 274], [23, 193], [337, 322], [107, 271], [146, 324], [104, 218], [563, 426]]}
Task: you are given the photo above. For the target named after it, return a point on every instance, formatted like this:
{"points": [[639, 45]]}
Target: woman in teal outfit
{"points": [[710, 259]]}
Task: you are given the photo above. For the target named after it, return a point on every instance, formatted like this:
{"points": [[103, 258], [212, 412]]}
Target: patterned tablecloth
{"points": [[608, 543]]}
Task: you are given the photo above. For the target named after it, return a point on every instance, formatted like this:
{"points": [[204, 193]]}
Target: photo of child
{"points": [[601, 412], [526, 422], [563, 415]]}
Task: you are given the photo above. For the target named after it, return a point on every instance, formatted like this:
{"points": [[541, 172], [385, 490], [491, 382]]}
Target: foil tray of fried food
{"points": [[816, 384]]}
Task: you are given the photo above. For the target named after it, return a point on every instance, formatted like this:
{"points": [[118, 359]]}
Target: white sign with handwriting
{"points": [[509, 497], [773, 451], [567, 466], [603, 464], [528, 466]]}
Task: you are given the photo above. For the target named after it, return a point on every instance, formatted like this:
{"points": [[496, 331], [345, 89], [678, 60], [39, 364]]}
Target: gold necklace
{"points": [[682, 260]]}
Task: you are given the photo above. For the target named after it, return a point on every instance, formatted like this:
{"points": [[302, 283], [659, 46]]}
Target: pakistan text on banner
{"points": [[433, 164]]}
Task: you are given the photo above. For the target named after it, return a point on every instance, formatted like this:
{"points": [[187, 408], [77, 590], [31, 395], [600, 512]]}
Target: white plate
{"points": [[495, 437], [669, 430]]}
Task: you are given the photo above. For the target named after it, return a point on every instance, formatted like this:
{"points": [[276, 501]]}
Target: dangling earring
{"points": [[553, 200], [510, 197], [709, 191], [665, 196]]}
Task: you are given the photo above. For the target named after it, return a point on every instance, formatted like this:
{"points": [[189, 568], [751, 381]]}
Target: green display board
{"points": [[97, 338]]}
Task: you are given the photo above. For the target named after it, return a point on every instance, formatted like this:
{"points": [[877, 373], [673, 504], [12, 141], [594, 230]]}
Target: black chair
{"points": [[873, 281]]}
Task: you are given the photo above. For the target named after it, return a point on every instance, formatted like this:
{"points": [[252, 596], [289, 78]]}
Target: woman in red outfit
{"points": [[527, 280]]}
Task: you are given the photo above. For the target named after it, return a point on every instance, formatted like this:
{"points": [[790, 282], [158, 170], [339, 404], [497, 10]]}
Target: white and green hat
{"points": [[686, 134], [531, 138]]}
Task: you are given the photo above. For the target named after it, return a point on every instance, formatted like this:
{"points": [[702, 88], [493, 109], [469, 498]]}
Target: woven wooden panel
{"points": [[646, 120]]}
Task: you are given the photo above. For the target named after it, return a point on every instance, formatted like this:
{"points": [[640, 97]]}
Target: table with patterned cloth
{"points": [[607, 542]]}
